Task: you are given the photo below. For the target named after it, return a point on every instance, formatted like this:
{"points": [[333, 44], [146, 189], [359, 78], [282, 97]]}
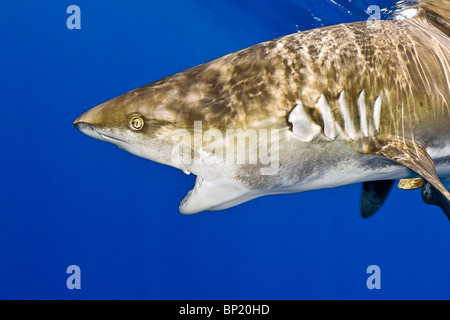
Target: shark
{"points": [[359, 102]]}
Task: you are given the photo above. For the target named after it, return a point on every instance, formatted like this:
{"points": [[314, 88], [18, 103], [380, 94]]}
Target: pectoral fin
{"points": [[415, 158], [217, 194], [373, 195]]}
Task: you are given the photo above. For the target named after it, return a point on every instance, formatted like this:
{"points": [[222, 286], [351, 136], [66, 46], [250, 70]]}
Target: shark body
{"points": [[334, 106]]}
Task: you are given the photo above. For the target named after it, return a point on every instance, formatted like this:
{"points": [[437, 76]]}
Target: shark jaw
{"points": [[88, 130], [212, 191]]}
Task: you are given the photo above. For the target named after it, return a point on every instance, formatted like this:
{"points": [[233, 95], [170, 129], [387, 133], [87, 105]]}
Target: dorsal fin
{"points": [[437, 12]]}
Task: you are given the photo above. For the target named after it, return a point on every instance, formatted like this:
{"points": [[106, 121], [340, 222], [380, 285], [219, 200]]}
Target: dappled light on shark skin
{"points": [[358, 102]]}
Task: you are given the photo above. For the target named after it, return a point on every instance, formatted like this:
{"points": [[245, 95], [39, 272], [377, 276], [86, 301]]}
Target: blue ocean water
{"points": [[67, 199]]}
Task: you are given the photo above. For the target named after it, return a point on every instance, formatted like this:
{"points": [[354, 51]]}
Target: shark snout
{"points": [[87, 124], [86, 128], [84, 123], [82, 126], [91, 124], [88, 118]]}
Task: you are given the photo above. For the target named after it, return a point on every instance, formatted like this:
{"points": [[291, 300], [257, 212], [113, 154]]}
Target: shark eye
{"points": [[136, 123]]}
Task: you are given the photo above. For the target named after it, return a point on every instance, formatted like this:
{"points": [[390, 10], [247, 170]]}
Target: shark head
{"points": [[183, 118], [178, 121], [141, 122]]}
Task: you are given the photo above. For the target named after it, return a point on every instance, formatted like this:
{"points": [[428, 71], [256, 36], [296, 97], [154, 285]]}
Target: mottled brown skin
{"points": [[406, 63], [259, 86]]}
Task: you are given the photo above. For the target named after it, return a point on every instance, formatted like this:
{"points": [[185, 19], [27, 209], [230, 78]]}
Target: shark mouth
{"points": [[89, 130], [112, 139]]}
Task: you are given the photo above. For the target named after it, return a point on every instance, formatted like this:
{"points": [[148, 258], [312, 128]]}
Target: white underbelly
{"points": [[356, 171]]}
